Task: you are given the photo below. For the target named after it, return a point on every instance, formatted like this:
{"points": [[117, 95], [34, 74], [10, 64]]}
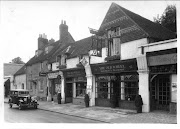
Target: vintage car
{"points": [[22, 98]]}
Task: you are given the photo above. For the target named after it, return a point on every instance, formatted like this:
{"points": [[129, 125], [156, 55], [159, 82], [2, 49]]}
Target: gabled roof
{"points": [[75, 49], [11, 68], [133, 26], [21, 71]]}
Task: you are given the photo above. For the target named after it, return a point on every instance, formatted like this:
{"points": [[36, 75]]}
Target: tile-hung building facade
{"points": [[119, 75], [37, 67]]}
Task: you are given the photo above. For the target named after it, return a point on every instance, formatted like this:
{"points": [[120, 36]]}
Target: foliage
{"points": [[17, 60], [168, 18]]}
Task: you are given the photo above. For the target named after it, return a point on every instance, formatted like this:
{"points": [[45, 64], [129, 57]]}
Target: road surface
{"points": [[14, 115]]}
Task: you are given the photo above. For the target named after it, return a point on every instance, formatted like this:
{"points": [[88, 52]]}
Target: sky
{"points": [[21, 22]]}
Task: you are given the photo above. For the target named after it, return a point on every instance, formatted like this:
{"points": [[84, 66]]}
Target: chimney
{"points": [[42, 41], [63, 31]]}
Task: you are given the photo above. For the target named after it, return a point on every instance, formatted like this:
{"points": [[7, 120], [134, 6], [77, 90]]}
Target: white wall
{"points": [[96, 59], [19, 79], [129, 50], [71, 63], [54, 66]]}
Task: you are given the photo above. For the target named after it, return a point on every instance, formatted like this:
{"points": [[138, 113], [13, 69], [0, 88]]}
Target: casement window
{"points": [[41, 83], [41, 66], [62, 60], [114, 46]]}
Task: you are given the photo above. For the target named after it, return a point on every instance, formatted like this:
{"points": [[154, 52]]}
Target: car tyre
{"points": [[35, 107], [20, 107], [10, 105]]}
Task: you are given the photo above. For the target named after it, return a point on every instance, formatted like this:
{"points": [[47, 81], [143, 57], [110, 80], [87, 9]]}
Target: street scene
{"points": [[107, 62]]}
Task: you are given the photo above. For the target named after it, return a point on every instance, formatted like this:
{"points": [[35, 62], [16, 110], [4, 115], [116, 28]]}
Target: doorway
{"points": [[160, 92], [69, 93]]}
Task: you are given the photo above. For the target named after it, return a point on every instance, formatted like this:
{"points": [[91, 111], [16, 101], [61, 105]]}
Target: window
{"points": [[46, 50], [41, 66], [102, 87], [80, 89], [22, 85], [129, 87], [41, 85], [30, 85]]}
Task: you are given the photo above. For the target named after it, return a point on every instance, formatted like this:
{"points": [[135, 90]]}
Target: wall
{"points": [[34, 69], [19, 79], [96, 59], [71, 63], [129, 50]]}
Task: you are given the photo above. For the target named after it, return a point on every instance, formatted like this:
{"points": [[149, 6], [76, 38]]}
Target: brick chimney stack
{"points": [[63, 30], [42, 41]]}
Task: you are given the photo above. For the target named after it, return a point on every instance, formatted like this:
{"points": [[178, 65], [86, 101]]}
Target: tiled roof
{"points": [[75, 49], [21, 71], [11, 68], [43, 56], [133, 26]]}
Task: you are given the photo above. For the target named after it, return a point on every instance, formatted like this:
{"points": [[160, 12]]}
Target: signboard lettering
{"points": [[114, 67]]}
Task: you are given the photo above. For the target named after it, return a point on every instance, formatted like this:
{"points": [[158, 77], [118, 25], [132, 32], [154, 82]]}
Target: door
{"points": [[160, 92], [69, 93]]}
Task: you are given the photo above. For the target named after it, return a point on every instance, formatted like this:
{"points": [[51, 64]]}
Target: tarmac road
{"points": [[14, 115]]}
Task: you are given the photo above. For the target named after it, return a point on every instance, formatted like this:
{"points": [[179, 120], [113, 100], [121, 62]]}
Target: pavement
{"points": [[107, 114]]}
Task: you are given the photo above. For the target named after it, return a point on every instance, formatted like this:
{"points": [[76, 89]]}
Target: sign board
{"points": [[116, 67], [75, 73], [162, 59], [54, 75], [42, 74]]}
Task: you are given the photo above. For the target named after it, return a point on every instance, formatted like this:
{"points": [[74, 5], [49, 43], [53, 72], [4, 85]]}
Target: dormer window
{"points": [[46, 50]]}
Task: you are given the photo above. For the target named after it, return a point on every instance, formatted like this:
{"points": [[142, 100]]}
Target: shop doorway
{"points": [[160, 92], [69, 93]]}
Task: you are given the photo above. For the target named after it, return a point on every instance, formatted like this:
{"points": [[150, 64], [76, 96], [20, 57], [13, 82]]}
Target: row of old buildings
{"points": [[128, 55]]}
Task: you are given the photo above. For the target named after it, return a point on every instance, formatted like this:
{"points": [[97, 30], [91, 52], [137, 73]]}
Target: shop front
{"points": [[75, 85], [163, 81], [116, 83], [55, 84]]}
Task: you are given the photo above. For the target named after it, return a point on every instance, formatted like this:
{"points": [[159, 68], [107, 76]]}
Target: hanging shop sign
{"points": [[42, 74], [115, 67], [162, 59], [55, 75], [74, 73]]}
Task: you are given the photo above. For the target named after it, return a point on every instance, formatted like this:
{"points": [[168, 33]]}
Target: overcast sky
{"points": [[22, 21]]}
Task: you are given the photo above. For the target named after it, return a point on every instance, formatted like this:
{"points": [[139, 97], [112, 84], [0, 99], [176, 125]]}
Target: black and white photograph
{"points": [[88, 63]]}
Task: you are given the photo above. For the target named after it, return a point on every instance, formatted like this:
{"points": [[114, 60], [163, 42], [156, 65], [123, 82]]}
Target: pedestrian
{"points": [[59, 97], [138, 103], [86, 100]]}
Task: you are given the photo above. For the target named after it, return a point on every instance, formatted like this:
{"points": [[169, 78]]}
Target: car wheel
{"points": [[10, 105], [20, 107], [35, 107]]}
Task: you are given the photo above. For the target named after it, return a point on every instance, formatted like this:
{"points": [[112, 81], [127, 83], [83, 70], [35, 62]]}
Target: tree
{"points": [[17, 60], [168, 18]]}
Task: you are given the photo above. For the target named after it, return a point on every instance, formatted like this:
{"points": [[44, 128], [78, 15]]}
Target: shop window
{"points": [[129, 87], [102, 90], [80, 89]]}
